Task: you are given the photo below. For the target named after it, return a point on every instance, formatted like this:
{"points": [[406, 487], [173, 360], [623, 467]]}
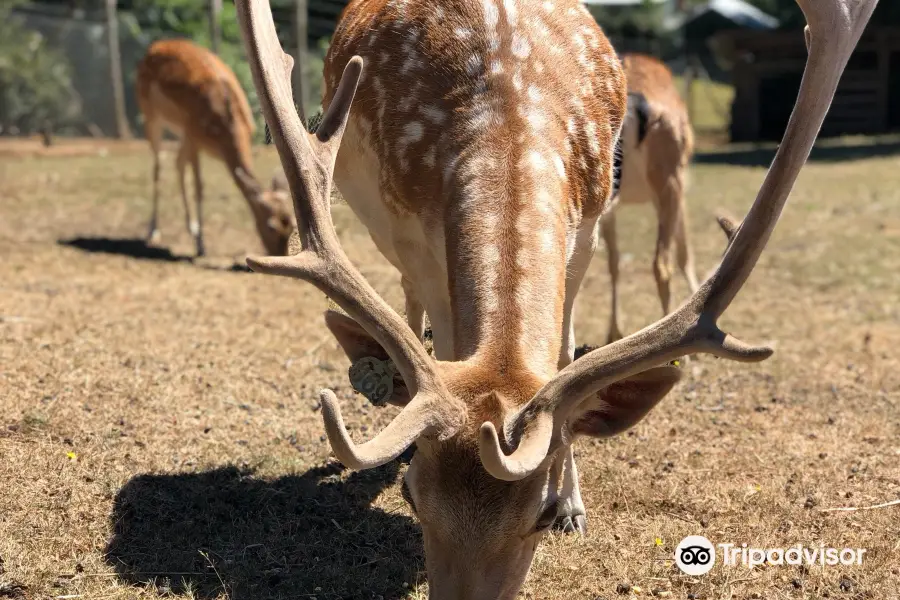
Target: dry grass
{"points": [[159, 433]]}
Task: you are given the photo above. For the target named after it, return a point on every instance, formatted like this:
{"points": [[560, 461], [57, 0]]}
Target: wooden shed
{"points": [[767, 68]]}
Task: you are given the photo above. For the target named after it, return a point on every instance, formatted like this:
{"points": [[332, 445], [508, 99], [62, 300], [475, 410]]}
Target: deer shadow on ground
{"points": [[140, 249], [763, 156], [225, 530]]}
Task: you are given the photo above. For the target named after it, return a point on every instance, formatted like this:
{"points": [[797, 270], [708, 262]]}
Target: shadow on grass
{"points": [[138, 248], [762, 157], [315, 534]]}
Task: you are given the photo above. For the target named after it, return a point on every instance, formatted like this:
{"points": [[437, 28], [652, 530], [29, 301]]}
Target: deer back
{"points": [[197, 96]]}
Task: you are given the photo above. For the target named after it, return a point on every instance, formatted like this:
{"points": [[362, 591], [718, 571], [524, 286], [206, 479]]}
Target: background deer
{"points": [[656, 146], [497, 166], [189, 91]]}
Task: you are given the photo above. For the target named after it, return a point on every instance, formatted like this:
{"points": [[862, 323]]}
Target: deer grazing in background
{"points": [[656, 146], [189, 91], [479, 153]]}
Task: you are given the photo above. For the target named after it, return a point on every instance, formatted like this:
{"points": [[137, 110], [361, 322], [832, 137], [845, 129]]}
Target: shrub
{"points": [[35, 80]]}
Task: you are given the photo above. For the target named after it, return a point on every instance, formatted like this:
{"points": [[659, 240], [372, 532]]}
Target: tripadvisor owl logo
{"points": [[695, 555]]}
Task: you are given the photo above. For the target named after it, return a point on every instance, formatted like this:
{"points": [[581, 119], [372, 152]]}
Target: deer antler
{"points": [[834, 29], [308, 163]]}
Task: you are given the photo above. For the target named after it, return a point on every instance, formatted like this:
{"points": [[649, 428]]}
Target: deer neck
{"points": [[506, 253]]}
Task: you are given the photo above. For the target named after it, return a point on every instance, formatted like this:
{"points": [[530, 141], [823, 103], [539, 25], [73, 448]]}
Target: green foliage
{"points": [[645, 20], [35, 81]]}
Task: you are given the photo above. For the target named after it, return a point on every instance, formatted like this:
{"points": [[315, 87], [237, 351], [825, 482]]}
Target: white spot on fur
{"points": [[520, 46], [549, 6], [579, 41], [411, 98], [491, 14], [482, 117], [428, 159], [433, 114], [450, 168], [412, 132], [496, 67], [534, 94], [517, 81], [537, 161], [593, 141], [409, 64], [462, 33], [546, 202], [512, 14], [560, 167], [536, 118], [474, 65], [538, 67], [548, 240]]}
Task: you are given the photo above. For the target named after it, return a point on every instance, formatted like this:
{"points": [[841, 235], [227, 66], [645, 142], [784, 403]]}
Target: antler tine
{"points": [[835, 27], [308, 163], [728, 226]]}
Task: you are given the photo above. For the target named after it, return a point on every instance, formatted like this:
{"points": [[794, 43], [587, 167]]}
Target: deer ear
{"points": [[622, 405], [359, 347], [355, 340]]}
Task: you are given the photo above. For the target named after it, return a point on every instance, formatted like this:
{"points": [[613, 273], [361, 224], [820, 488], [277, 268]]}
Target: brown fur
{"points": [[190, 91], [488, 142], [447, 129], [655, 170]]}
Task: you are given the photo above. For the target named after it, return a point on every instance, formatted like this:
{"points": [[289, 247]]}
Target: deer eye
{"points": [[547, 518]]}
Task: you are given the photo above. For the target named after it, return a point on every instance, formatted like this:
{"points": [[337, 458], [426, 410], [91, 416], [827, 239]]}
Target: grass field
{"points": [[160, 435]]}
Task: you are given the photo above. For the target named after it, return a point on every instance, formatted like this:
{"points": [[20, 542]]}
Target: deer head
{"points": [[272, 212], [495, 448]]}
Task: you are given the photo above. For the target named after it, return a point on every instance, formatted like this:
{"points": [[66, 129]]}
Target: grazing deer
{"points": [[656, 146], [189, 91], [479, 153]]}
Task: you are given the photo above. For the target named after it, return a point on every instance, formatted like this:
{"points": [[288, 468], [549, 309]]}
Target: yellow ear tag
{"points": [[373, 378]]}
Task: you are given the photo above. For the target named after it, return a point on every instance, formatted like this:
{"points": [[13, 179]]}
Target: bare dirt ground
{"points": [[160, 435]]}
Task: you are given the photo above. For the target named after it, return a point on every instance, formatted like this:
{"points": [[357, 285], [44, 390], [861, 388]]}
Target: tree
{"points": [[115, 70]]}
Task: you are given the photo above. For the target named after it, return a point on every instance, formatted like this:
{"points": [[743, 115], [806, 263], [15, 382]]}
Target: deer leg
{"points": [[153, 131], [415, 311], [667, 208], [198, 198], [572, 516], [608, 229], [184, 155], [585, 244], [683, 252]]}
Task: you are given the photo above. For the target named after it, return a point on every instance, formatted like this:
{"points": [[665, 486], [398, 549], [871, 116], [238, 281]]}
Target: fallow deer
{"points": [[479, 153], [656, 146], [189, 91]]}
